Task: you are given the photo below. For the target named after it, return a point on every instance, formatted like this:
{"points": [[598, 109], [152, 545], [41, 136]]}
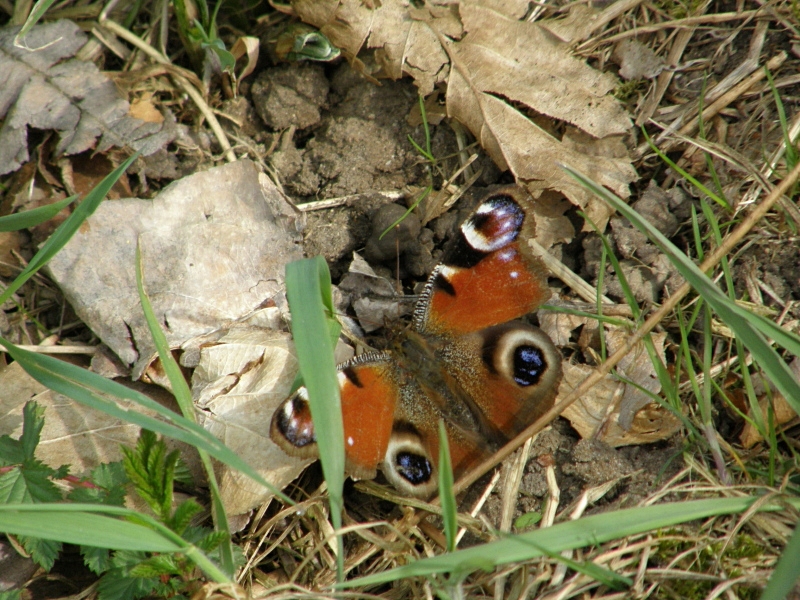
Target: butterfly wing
{"points": [[465, 361], [488, 275], [369, 394], [494, 375]]}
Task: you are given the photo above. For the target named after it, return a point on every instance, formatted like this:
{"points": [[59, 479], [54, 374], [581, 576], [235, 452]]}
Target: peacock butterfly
{"points": [[464, 359]]}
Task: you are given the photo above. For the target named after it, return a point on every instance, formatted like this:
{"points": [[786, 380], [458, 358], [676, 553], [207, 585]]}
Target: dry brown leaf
{"points": [[638, 368], [594, 415], [239, 381], [498, 70], [552, 226], [577, 25], [144, 109], [213, 247], [246, 46], [45, 88], [782, 412], [637, 61], [560, 326]]}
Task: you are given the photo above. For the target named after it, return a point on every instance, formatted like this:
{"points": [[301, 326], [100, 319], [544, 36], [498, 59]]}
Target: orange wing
{"points": [[488, 275]]}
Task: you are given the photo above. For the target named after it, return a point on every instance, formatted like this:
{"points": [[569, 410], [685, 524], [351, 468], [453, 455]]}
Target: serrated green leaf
{"points": [[61, 472], [151, 470], [28, 484], [114, 585], [97, 559], [183, 475], [32, 424], [209, 542], [109, 475], [156, 566], [10, 451], [110, 479], [183, 514], [44, 552], [14, 595]]}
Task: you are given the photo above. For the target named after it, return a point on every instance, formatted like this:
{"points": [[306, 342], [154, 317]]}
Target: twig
{"points": [[676, 24], [58, 349], [665, 77], [341, 200]]}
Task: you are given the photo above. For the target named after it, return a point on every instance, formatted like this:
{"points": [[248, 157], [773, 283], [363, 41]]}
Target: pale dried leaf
{"points": [[560, 326], [577, 25], [638, 368], [42, 87], [73, 434], [594, 415], [214, 246], [522, 61], [637, 61], [238, 383], [246, 46], [373, 297], [552, 226], [782, 412]]}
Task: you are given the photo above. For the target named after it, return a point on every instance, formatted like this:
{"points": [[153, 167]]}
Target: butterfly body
{"points": [[465, 359]]}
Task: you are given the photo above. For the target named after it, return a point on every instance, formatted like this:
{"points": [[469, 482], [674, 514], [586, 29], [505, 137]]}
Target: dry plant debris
{"points": [[500, 72], [241, 374], [213, 247], [46, 87]]}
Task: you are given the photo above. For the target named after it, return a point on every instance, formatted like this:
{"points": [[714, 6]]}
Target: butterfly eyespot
{"points": [[495, 224], [414, 468], [523, 354], [407, 465], [529, 364], [292, 428]]}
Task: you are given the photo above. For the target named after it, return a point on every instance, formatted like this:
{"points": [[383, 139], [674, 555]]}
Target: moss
{"points": [[678, 9], [631, 89], [704, 559]]}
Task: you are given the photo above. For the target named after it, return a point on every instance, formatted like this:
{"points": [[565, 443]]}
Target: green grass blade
{"points": [[308, 292], [748, 327], [719, 200], [35, 216], [67, 229], [37, 12], [446, 495], [786, 573], [588, 531], [183, 396], [791, 150], [81, 525], [90, 388], [88, 525]]}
